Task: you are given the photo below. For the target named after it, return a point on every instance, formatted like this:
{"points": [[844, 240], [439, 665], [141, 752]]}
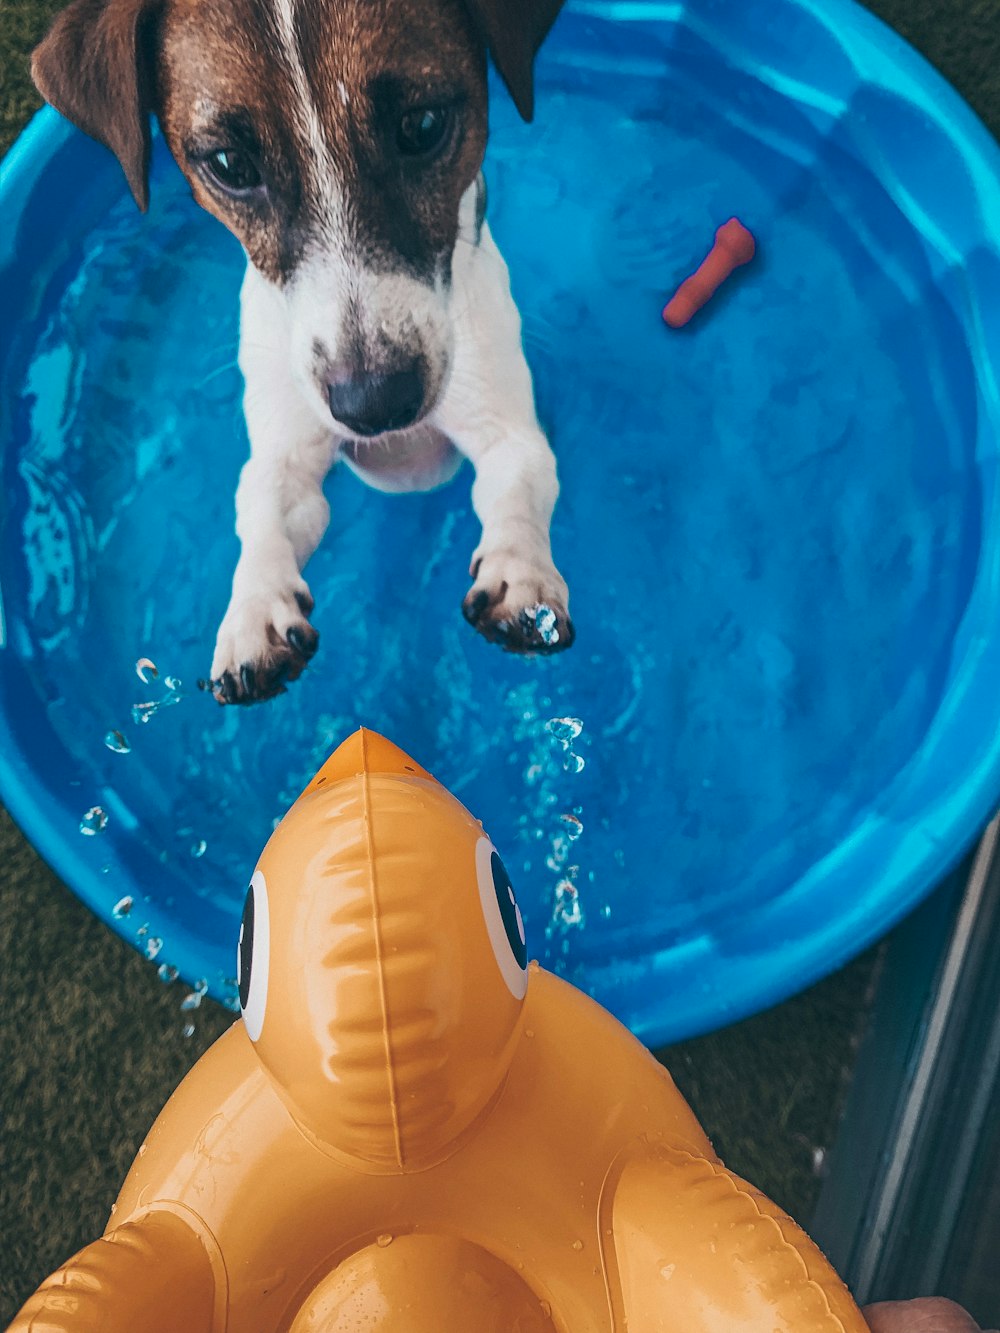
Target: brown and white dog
{"points": [[341, 142]]}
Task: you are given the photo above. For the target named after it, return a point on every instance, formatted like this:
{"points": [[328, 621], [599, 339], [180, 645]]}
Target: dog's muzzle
{"points": [[372, 404]]}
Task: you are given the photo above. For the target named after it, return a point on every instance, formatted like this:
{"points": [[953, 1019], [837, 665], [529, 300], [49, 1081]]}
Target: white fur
{"points": [[304, 111], [485, 410]]}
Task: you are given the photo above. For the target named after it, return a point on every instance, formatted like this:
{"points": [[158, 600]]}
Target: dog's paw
{"points": [[264, 641], [519, 603]]}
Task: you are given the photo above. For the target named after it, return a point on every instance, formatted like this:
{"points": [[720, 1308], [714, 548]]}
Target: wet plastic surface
{"points": [[780, 525]]}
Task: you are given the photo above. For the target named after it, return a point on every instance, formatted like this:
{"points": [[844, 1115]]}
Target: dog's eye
{"points": [[420, 132], [234, 170]]}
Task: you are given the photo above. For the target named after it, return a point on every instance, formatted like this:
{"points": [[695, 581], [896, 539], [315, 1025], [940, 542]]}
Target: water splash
{"points": [[546, 624], [148, 708], [143, 712], [194, 997], [564, 729], [117, 743], [93, 822], [122, 907], [147, 670], [567, 910], [574, 826]]}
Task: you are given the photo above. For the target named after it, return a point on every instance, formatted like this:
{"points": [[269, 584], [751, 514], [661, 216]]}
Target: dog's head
{"points": [[339, 140]]}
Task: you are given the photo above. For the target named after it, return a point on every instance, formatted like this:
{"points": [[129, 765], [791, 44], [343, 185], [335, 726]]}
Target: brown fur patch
{"points": [[226, 80]]}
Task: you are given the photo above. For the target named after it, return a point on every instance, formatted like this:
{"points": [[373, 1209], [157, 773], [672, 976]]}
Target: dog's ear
{"points": [[513, 30], [96, 68]]}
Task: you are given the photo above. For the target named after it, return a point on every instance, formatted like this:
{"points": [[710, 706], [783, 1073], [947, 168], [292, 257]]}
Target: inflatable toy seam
{"points": [[377, 937]]}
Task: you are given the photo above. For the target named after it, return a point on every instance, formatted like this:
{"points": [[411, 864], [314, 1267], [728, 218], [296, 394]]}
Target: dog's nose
{"points": [[373, 404]]}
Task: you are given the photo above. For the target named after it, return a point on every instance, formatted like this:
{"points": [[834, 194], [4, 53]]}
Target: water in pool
{"points": [[768, 524]]}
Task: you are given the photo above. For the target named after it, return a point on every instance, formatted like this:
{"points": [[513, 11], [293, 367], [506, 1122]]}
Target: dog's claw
{"points": [[224, 688], [252, 685], [474, 606], [304, 644]]}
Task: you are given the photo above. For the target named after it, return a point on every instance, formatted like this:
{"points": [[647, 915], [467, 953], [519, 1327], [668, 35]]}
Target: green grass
{"points": [[91, 1042]]}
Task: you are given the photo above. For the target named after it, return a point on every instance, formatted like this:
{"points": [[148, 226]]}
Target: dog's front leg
{"points": [[265, 638], [518, 598]]}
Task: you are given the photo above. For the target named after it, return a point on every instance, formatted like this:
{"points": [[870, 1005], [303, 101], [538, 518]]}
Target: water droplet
{"points": [[546, 1309], [94, 821], [529, 1032], [166, 973], [578, 1245], [545, 624], [557, 857], [142, 1150], [116, 742], [565, 729], [153, 946], [122, 907], [199, 848], [142, 712], [146, 670], [383, 1240], [201, 986], [667, 1271], [574, 763], [172, 683], [143, 931], [191, 1001], [606, 911], [574, 826], [567, 910], [187, 1030]]}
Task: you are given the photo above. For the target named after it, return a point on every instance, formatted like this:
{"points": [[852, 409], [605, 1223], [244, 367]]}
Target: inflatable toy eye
{"points": [[253, 955], [503, 918]]}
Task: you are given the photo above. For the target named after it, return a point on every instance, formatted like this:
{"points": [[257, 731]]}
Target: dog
{"points": [[341, 142]]}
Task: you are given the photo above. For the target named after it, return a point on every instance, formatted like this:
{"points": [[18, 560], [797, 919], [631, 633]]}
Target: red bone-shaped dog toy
{"points": [[733, 246]]}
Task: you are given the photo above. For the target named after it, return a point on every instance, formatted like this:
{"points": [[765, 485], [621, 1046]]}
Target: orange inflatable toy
{"points": [[414, 1130]]}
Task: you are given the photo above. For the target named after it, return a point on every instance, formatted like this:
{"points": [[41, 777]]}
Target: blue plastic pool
{"points": [[780, 526]]}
